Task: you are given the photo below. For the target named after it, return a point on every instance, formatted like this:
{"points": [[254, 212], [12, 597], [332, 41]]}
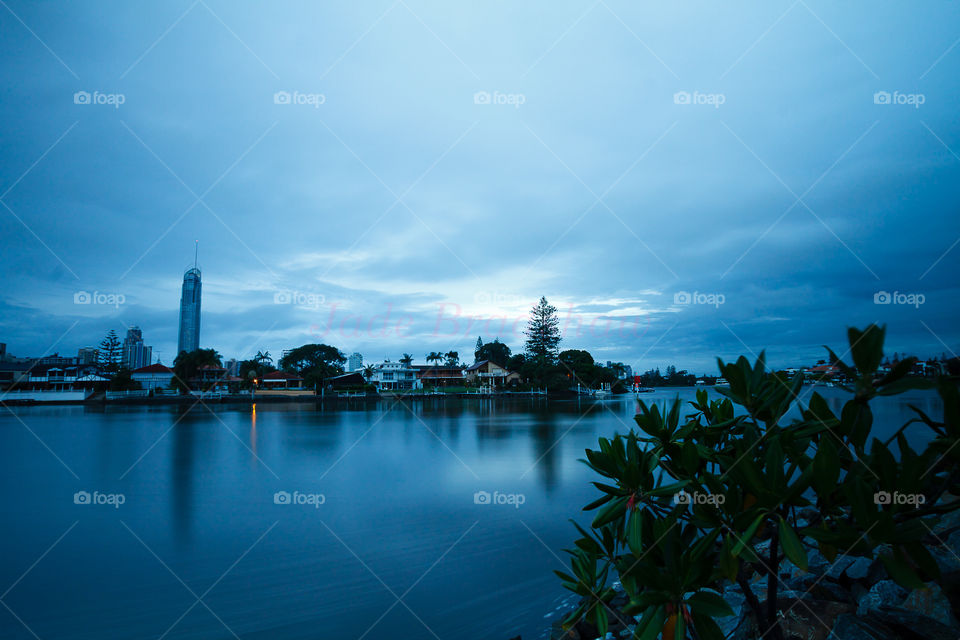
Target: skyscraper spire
{"points": [[196, 252]]}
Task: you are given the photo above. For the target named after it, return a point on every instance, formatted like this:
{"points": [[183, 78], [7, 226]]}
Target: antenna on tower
{"points": [[196, 252]]}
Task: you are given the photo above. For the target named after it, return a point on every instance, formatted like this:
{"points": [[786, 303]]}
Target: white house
{"points": [[154, 376], [395, 376]]}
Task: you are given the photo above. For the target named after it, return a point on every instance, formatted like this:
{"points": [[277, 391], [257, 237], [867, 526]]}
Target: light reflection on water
{"points": [[399, 515]]}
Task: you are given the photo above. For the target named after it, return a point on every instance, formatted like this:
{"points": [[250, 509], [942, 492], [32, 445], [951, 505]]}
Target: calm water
{"points": [[398, 549]]}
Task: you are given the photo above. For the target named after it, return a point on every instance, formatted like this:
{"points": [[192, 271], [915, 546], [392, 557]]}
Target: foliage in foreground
{"points": [[684, 501]]}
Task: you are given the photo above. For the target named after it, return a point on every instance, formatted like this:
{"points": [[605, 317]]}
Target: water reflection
{"points": [[182, 462]]}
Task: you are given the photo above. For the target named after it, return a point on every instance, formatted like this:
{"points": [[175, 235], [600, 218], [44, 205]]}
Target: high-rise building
{"points": [[232, 367], [355, 362], [135, 354], [189, 338], [88, 355]]}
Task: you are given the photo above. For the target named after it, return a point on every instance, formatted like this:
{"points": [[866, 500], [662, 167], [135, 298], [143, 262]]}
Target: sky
{"points": [[681, 180]]}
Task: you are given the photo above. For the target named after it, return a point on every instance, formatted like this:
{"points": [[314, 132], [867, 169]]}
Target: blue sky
{"points": [[682, 180]]}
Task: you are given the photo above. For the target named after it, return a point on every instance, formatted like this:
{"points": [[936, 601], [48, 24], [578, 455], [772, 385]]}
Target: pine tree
{"points": [[477, 350], [108, 357], [543, 332]]}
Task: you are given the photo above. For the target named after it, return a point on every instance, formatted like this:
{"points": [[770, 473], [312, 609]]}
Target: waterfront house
{"points": [[154, 376], [431, 376], [490, 373], [395, 376], [281, 380], [352, 380]]}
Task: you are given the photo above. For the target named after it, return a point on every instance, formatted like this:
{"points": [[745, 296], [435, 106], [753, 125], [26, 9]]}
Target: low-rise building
{"points": [[395, 376], [281, 380], [154, 376], [490, 373], [431, 376]]}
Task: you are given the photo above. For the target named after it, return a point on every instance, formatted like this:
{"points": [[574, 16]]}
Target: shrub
{"points": [[684, 501]]}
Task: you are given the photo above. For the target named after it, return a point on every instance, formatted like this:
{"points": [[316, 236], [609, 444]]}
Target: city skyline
{"points": [[671, 218]]}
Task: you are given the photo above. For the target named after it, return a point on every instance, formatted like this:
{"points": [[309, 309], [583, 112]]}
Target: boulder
{"points": [[922, 613], [885, 594], [849, 627]]}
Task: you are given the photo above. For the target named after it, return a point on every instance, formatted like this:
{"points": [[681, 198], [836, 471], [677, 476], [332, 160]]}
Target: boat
{"points": [[720, 381]]}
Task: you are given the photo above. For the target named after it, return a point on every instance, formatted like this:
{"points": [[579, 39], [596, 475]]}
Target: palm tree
{"points": [[453, 357], [368, 372], [406, 360], [262, 357], [434, 356]]}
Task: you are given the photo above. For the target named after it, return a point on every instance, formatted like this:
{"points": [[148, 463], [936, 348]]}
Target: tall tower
{"points": [[189, 339]]}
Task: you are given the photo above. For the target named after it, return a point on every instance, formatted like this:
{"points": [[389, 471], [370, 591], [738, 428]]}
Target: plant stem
{"points": [[772, 578]]}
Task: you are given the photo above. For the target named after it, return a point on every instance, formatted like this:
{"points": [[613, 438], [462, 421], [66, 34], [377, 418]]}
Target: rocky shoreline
{"points": [[849, 599]]}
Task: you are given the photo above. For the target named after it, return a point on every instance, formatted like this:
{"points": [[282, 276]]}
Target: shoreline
{"points": [[101, 400]]}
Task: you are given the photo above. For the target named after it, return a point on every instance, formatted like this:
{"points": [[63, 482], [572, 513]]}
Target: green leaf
{"points": [[651, 624], [710, 604], [867, 348], [826, 466], [748, 534], [610, 512], [706, 628], [601, 619], [792, 546], [635, 533], [900, 571]]}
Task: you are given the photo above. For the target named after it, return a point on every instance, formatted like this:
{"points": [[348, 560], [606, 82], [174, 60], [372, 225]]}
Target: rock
{"points": [[849, 627], [810, 620], [885, 594], [923, 613], [859, 569], [827, 590], [816, 563], [838, 568], [735, 598], [931, 603]]}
